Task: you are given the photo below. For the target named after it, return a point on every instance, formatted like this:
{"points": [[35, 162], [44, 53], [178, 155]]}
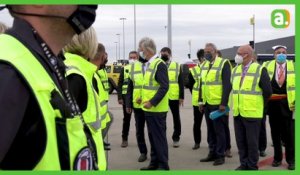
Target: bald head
{"points": [[246, 52], [246, 49]]}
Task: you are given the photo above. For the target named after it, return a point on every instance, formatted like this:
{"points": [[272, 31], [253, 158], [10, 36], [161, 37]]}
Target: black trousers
{"points": [[126, 121], [262, 144], [157, 127], [198, 116], [216, 132], [227, 133], [140, 129], [246, 135], [282, 125], [174, 106]]}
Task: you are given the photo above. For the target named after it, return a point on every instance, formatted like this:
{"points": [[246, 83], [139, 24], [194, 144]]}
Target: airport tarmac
{"points": [[182, 158]]}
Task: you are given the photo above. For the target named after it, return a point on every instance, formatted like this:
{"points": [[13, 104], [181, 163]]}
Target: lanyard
{"points": [[57, 65]]}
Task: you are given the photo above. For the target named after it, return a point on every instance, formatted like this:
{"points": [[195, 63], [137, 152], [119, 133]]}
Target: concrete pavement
{"points": [[182, 158]]}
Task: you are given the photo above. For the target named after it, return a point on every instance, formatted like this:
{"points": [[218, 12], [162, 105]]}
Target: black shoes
{"points": [[106, 146], [219, 161], [175, 144], [124, 144], [150, 167], [291, 166], [142, 158], [228, 153], [163, 169], [196, 146], [262, 154], [240, 168], [209, 158], [276, 163]]}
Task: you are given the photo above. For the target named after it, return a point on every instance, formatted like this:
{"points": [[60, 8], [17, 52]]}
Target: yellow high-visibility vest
{"points": [[125, 79], [173, 74], [104, 115], [212, 82], [247, 98], [79, 66], [42, 86], [150, 88], [104, 79], [196, 73], [290, 79], [136, 76]]}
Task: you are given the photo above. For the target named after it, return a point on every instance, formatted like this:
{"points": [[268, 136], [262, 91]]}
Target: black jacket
{"points": [[22, 127]]}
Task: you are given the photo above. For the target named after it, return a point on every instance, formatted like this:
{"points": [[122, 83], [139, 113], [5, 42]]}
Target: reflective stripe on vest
{"points": [[247, 98], [212, 81], [196, 73], [173, 74], [77, 65], [104, 80], [125, 79], [41, 85], [151, 86], [80, 66], [102, 94], [290, 79], [136, 76]]}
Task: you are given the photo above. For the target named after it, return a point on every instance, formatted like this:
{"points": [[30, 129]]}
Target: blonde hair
{"points": [[148, 43], [84, 44], [3, 27]]}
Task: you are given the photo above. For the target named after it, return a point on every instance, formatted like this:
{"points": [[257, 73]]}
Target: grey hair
{"points": [[85, 44], [212, 45], [100, 50], [148, 43], [3, 27]]}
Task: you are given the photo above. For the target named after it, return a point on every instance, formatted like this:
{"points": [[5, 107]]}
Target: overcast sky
{"points": [[224, 25]]}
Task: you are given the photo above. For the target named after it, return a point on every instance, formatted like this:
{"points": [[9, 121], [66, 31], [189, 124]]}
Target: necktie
{"points": [[281, 76]]}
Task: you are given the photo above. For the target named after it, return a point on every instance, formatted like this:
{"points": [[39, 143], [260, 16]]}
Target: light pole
{"points": [[190, 46], [252, 22], [170, 26], [119, 43], [116, 51], [123, 19], [134, 15], [166, 27]]}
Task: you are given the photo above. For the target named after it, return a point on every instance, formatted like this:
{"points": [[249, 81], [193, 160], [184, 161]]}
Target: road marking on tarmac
{"points": [[268, 162]]}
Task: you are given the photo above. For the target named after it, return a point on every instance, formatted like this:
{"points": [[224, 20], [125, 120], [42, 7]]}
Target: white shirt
{"points": [[278, 70]]}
